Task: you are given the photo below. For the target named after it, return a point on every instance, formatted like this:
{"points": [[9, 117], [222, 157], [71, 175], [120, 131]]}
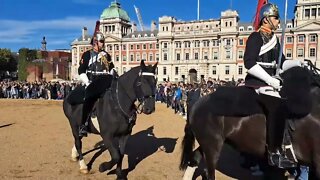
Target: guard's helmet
{"points": [[268, 10], [98, 36]]}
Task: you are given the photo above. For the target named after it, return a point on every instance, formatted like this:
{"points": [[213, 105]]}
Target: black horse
{"points": [[115, 114], [248, 133]]}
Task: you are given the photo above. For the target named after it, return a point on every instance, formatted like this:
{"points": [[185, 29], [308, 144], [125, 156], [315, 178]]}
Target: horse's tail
{"points": [[187, 147]]}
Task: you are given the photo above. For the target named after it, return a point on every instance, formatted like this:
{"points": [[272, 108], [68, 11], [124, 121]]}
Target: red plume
{"points": [[96, 29], [256, 18]]}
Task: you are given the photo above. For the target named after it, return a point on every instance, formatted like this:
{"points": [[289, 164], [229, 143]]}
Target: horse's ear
{"points": [[142, 63], [155, 66]]}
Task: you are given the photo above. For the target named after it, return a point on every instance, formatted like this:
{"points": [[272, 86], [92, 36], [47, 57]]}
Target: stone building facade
{"points": [[189, 51]]}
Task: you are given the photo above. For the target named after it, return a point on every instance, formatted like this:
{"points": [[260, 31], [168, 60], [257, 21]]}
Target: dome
{"points": [[114, 11]]}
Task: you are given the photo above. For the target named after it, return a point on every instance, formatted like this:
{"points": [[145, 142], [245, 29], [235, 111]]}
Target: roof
{"points": [[114, 11]]}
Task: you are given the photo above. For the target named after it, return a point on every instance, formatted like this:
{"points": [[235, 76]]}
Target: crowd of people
{"points": [[35, 90], [178, 95]]}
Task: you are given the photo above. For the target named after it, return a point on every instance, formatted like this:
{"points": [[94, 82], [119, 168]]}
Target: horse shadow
{"points": [[143, 144], [139, 146], [229, 165]]}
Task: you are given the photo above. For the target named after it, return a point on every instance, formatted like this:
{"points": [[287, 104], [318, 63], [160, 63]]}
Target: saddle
{"points": [[235, 101]]}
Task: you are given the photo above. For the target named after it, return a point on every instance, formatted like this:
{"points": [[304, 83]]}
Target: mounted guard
{"points": [[263, 57], [96, 72]]}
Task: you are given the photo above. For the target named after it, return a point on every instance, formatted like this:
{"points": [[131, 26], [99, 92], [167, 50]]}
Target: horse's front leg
{"points": [[122, 146], [114, 153], [76, 154]]}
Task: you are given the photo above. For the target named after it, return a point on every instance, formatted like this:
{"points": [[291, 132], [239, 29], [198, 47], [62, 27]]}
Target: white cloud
{"points": [[14, 31]]}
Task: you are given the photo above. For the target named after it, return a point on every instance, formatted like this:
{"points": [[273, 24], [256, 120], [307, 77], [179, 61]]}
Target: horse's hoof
{"points": [[84, 171], [74, 159], [103, 167]]}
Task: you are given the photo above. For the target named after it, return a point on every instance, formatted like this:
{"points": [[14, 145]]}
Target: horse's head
{"points": [[146, 87], [296, 88]]}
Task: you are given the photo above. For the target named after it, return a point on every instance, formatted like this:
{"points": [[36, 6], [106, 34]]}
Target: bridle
{"points": [[141, 97], [139, 92], [314, 72]]}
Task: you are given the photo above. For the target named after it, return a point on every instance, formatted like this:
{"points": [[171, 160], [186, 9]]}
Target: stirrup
{"points": [[281, 160]]}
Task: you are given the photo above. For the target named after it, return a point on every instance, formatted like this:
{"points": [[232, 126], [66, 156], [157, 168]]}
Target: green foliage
{"points": [[23, 63], [7, 61]]}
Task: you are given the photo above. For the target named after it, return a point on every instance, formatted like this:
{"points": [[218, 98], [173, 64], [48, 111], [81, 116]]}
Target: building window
{"points": [[301, 38], [197, 44], [165, 56], [178, 44], [240, 70], [117, 58], [313, 12], [138, 46], [144, 56], [116, 47], [124, 58], [157, 46], [144, 46], [228, 42], [187, 56], [196, 56], [240, 54], [187, 44], [228, 54], [215, 55], [150, 46], [289, 39], [307, 13], [241, 28], [131, 47], [124, 47], [313, 38], [214, 70], [312, 52], [150, 57], [178, 56], [124, 69], [138, 57], [300, 52], [131, 57], [289, 53], [240, 42], [250, 28], [227, 70], [157, 57], [164, 70], [176, 71], [205, 55], [165, 45], [206, 43]]}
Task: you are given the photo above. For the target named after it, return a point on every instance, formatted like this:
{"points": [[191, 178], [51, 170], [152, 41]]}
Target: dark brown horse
{"points": [[248, 133]]}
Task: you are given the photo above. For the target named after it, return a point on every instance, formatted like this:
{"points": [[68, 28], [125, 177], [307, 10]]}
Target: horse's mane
{"points": [[296, 90]]}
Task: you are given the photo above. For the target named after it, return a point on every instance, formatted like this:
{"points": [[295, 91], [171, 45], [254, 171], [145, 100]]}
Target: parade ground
{"points": [[36, 143]]}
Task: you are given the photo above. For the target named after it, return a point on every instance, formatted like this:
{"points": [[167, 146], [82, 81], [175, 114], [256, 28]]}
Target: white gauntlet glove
{"points": [[84, 79], [258, 72]]}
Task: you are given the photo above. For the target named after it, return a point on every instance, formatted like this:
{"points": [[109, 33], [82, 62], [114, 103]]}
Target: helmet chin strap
{"points": [[272, 25]]}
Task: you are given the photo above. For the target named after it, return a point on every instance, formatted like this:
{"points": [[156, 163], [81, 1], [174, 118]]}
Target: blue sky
{"points": [[23, 23]]}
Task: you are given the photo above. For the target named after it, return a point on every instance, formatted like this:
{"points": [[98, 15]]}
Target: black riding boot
{"points": [[87, 107], [275, 111]]}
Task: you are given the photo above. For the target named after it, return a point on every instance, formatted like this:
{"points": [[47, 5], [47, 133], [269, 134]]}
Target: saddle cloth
{"points": [[235, 101]]}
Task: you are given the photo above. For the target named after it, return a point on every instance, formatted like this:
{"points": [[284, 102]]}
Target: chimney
{"points": [[134, 27], [153, 26], [84, 33]]}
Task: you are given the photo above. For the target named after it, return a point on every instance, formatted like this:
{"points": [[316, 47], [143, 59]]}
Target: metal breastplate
{"points": [[269, 56], [96, 63]]}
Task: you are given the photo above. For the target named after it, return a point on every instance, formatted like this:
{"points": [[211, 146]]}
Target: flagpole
{"points": [[282, 37], [198, 14]]}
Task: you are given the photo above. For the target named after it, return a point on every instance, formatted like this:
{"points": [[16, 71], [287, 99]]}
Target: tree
{"points": [[7, 60], [22, 64]]}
